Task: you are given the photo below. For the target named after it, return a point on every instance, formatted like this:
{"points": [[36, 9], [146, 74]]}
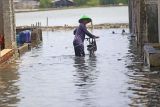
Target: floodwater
{"points": [[99, 15], [51, 76]]}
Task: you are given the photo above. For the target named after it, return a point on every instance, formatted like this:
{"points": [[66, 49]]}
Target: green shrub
{"points": [[45, 3]]}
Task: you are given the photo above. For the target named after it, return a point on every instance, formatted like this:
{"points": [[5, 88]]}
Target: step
{"points": [[5, 55]]}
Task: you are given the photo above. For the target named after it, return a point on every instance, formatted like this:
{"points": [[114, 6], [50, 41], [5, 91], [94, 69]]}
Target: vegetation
{"points": [[48, 3], [122, 1], [99, 2], [45, 3], [87, 2], [93, 2], [80, 2]]}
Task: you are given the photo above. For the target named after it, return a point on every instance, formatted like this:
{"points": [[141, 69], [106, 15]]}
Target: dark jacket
{"points": [[80, 33]]}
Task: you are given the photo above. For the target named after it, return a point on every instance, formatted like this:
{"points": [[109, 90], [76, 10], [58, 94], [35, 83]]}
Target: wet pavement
{"points": [[51, 76]]}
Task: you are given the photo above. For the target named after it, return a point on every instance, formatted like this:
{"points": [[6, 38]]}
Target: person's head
{"points": [[85, 20]]}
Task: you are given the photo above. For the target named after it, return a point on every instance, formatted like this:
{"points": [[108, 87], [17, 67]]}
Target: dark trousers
{"points": [[79, 51]]}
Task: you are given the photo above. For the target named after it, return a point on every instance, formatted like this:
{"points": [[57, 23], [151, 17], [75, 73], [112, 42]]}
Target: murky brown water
{"points": [[50, 76]]}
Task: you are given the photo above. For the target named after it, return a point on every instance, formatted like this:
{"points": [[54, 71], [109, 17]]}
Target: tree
{"points": [[122, 1], [99, 2], [105, 2], [80, 2], [93, 2], [45, 3]]}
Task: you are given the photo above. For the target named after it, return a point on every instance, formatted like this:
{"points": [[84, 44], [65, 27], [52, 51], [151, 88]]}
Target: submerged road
{"points": [[51, 76]]}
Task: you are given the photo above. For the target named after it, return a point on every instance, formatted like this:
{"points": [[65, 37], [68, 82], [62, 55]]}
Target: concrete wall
{"points": [[1, 19], [159, 19], [7, 22], [143, 18], [135, 19], [152, 22]]}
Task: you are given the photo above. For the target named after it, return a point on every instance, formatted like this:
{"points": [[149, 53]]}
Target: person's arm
{"points": [[84, 29], [74, 32]]}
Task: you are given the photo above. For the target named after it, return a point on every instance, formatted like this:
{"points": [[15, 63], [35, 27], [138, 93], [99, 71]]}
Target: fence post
{"points": [[47, 21]]}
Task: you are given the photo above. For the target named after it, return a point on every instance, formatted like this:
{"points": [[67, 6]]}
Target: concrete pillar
{"points": [[13, 21], [144, 20], [7, 22], [1, 19], [143, 31], [130, 15], [159, 19], [152, 20]]}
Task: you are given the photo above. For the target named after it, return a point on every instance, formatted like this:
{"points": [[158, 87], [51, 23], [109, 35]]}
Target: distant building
{"points": [[26, 4], [63, 3]]}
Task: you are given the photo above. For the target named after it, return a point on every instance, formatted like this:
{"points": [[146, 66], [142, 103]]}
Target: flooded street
{"points": [[61, 79], [51, 76]]}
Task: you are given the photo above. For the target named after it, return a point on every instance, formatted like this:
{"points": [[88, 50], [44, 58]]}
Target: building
{"points": [[26, 4], [63, 3]]}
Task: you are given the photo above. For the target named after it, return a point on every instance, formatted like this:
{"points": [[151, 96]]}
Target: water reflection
{"points": [[85, 80], [143, 85], [8, 88]]}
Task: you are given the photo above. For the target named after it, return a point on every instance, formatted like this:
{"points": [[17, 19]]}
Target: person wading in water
{"points": [[80, 33]]}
